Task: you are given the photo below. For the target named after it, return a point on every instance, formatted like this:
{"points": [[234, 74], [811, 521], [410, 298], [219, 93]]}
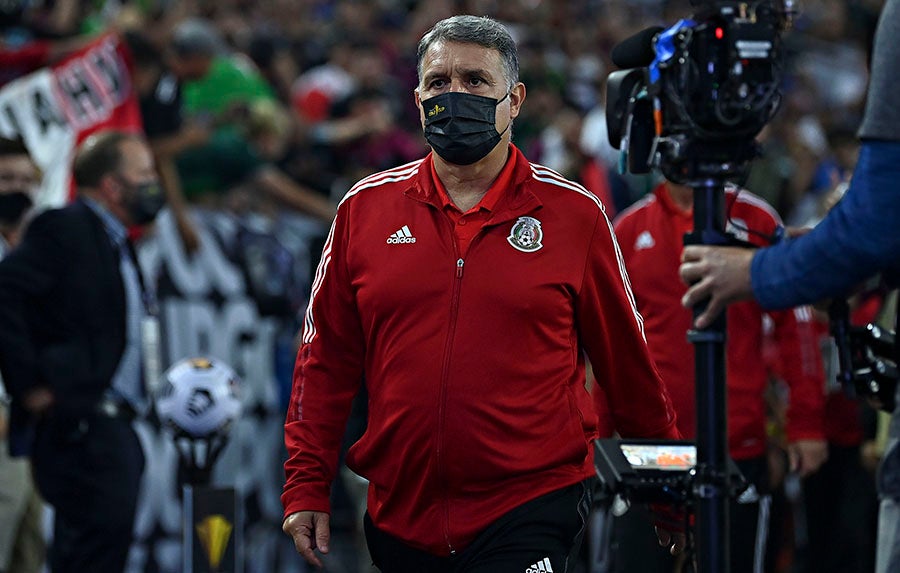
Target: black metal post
{"points": [[712, 488]]}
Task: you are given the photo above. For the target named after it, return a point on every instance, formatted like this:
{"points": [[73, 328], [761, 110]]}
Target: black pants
{"points": [[636, 549], [541, 535], [89, 469]]}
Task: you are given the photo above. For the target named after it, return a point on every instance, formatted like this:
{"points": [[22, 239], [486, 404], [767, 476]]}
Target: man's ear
{"points": [[516, 97], [110, 188], [418, 101]]}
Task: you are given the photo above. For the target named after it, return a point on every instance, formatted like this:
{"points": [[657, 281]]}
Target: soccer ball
{"points": [[199, 397]]}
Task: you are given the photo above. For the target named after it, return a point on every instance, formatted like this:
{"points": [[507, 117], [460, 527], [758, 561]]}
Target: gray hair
{"points": [[479, 30]]}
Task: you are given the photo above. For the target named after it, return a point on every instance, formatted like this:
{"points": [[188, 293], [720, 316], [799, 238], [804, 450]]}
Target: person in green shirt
{"points": [[226, 93], [214, 80]]}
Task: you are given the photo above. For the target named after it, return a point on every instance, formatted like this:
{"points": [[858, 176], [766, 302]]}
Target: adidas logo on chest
{"points": [[401, 236]]}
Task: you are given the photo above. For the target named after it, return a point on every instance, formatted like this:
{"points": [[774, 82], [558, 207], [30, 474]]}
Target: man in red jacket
{"points": [[466, 288], [651, 237]]}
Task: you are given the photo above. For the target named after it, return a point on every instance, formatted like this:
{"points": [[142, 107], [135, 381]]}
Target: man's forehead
{"points": [[134, 149], [136, 155], [443, 54]]}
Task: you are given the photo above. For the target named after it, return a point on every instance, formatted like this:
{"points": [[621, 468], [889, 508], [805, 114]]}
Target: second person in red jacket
{"points": [[651, 237]]}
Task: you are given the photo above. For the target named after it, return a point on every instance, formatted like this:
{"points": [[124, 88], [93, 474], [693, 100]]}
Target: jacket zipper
{"points": [[445, 373], [442, 409]]}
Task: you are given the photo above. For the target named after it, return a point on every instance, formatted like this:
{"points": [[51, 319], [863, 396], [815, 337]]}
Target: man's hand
{"points": [[807, 456], [720, 274], [38, 400], [4, 422], [310, 531], [674, 541], [669, 525], [870, 454]]}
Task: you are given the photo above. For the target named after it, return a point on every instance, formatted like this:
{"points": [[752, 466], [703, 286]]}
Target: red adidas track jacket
{"points": [[475, 367], [651, 235]]}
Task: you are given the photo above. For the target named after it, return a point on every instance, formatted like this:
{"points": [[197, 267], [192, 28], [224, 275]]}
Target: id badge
{"points": [[150, 346]]}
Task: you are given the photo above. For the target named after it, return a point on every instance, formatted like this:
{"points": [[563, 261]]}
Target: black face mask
{"points": [[460, 127], [13, 206], [144, 201]]}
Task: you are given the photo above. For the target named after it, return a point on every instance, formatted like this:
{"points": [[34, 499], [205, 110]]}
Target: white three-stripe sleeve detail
{"points": [[549, 176], [743, 196], [391, 176]]}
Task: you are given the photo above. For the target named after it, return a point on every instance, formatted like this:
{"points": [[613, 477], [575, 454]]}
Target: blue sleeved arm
{"points": [[858, 238]]}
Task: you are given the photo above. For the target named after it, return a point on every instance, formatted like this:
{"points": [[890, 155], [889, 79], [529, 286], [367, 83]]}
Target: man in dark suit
{"points": [[72, 306]]}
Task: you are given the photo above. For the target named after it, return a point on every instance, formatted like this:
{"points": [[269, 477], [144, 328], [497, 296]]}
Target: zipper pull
{"points": [[459, 268]]}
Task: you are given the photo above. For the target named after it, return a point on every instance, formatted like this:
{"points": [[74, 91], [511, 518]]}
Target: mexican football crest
{"points": [[526, 235]]}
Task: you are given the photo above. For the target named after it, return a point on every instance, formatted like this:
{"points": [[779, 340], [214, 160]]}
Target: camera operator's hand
{"points": [[720, 274], [807, 456], [310, 530]]}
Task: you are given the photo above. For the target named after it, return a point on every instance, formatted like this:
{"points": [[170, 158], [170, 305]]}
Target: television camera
{"points": [[693, 97], [689, 102]]}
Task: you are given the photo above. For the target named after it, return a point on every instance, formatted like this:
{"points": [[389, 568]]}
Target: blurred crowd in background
{"points": [[262, 106], [323, 90]]}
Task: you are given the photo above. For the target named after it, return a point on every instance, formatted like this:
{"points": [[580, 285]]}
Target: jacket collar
{"points": [[516, 201], [114, 228], [668, 204]]}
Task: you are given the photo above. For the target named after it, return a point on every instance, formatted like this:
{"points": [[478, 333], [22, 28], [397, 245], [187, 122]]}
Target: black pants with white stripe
{"points": [[542, 535]]}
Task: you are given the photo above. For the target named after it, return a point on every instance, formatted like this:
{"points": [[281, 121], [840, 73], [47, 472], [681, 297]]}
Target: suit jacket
{"points": [[62, 314]]}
